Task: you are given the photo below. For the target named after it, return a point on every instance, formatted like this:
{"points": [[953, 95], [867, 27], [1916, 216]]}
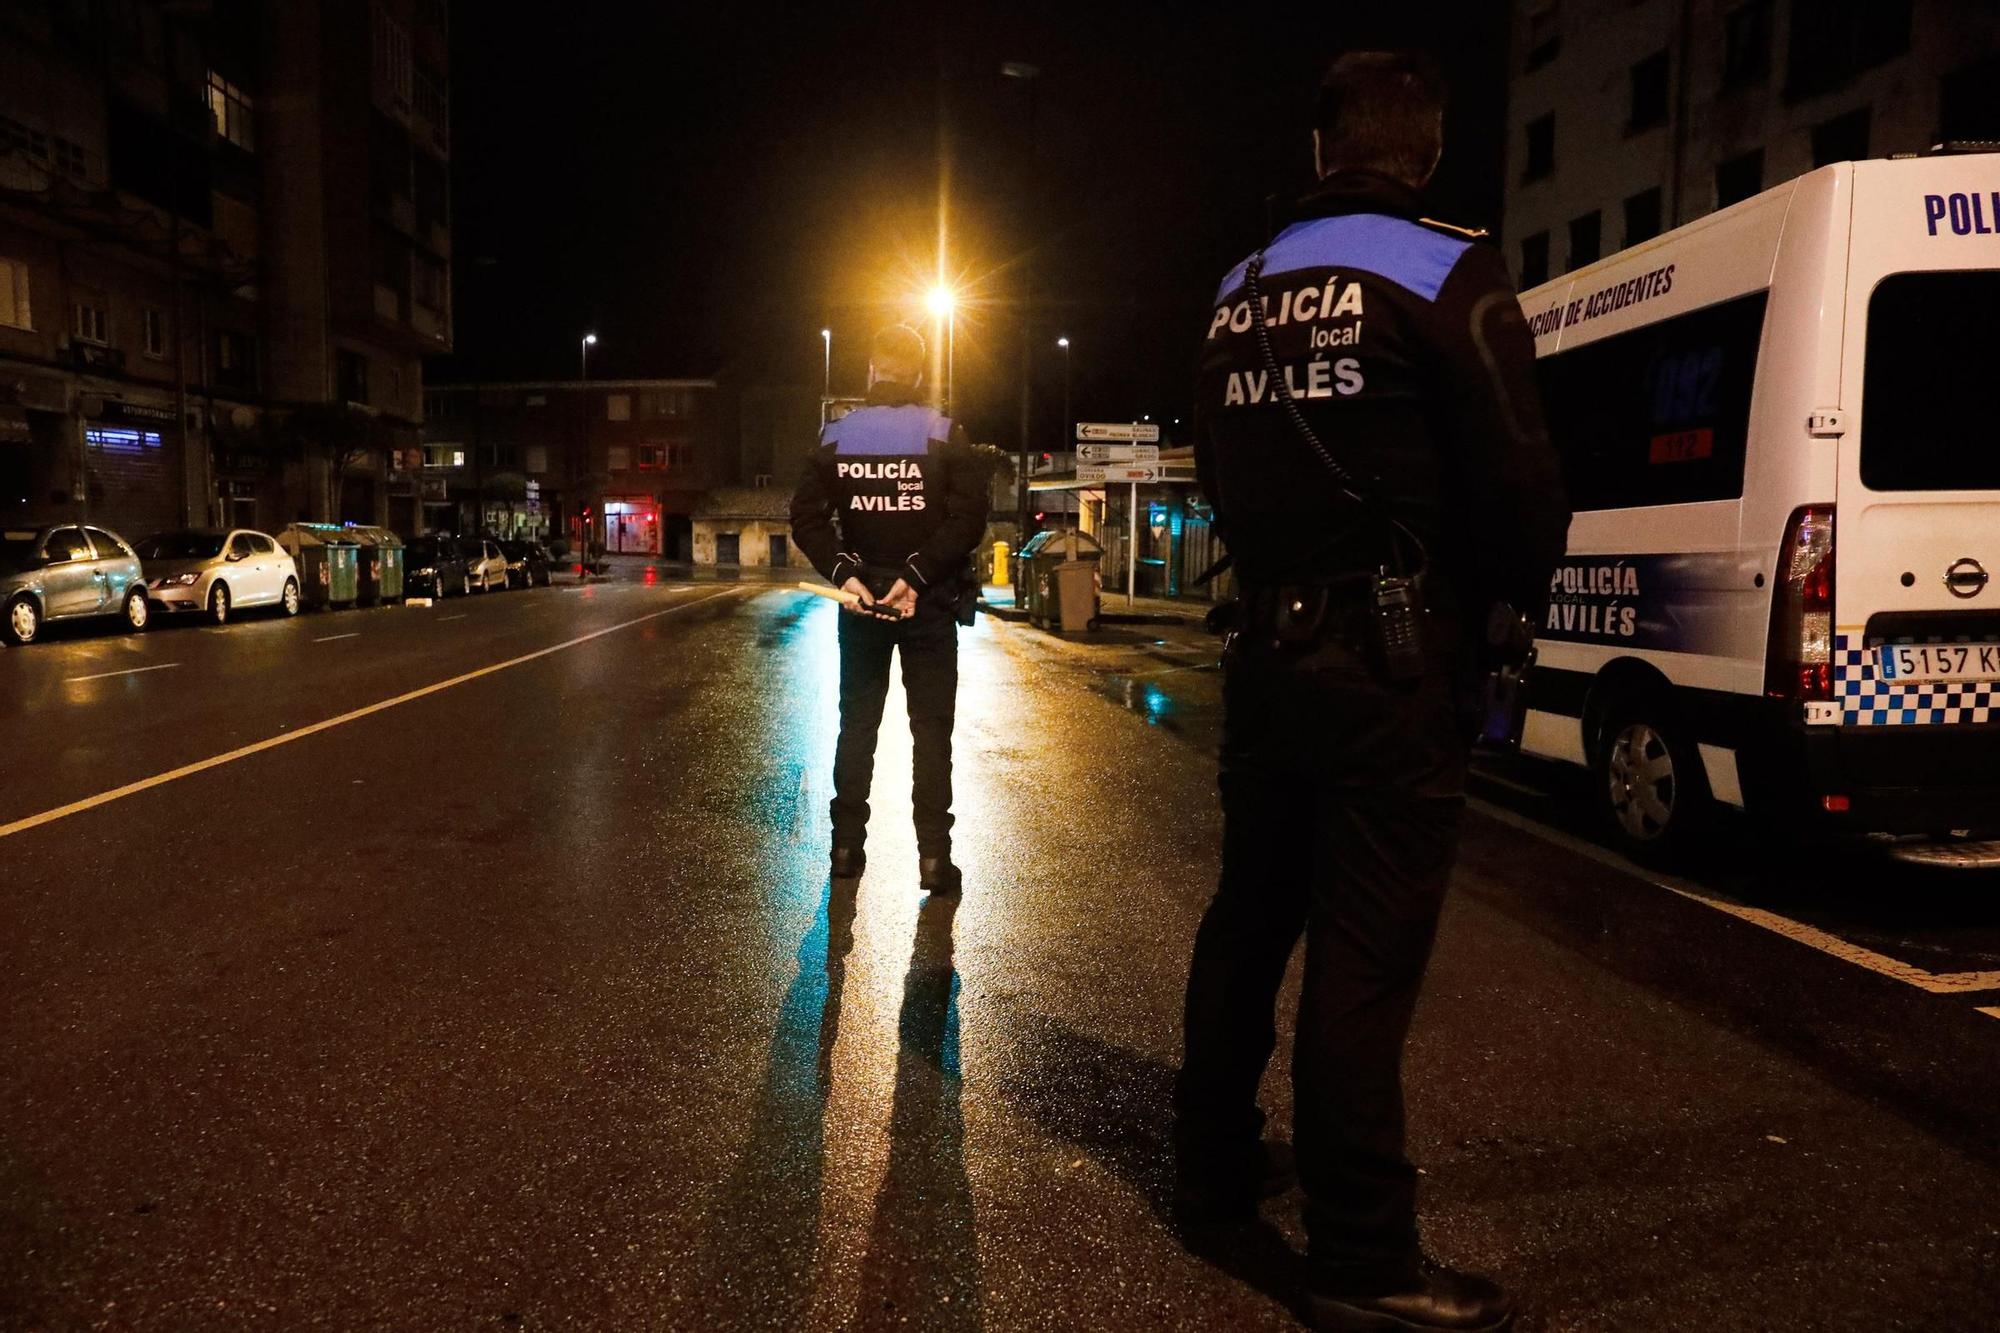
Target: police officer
{"points": [[890, 509], [1369, 433]]}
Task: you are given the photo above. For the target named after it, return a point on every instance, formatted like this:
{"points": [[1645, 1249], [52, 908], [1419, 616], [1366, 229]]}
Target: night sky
{"points": [[706, 191]]}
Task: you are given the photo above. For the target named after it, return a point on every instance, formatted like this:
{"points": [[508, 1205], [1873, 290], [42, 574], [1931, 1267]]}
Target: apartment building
{"points": [[224, 252], [1630, 117], [623, 463]]}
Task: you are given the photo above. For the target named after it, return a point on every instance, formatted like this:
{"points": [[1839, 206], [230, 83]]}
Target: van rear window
{"points": [[1657, 415], [1933, 352]]}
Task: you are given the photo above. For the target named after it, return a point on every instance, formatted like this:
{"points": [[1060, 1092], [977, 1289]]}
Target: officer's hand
{"points": [[902, 599], [860, 590]]}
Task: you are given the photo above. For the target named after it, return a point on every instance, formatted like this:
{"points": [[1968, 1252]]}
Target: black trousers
{"points": [[928, 644], [1342, 798]]}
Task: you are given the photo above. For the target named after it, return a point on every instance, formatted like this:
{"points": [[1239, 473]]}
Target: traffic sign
{"points": [[1118, 453], [1130, 431], [1090, 473], [1120, 474]]}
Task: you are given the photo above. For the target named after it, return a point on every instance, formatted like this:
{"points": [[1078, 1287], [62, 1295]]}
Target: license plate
{"points": [[1938, 661]]}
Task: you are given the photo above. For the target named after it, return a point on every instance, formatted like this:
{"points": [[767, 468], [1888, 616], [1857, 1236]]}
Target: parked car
{"points": [[485, 566], [67, 571], [433, 566], [218, 573], [528, 564]]}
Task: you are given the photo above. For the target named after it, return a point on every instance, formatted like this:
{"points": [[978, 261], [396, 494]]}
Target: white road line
{"points": [[1937, 983], [459, 616], [331, 637], [311, 729], [131, 671]]}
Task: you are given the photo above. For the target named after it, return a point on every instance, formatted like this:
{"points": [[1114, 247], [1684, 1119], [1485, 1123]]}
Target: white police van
{"points": [[1781, 429]]}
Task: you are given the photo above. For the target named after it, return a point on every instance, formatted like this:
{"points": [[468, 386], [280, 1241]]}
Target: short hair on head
{"points": [[897, 353], [1381, 111]]}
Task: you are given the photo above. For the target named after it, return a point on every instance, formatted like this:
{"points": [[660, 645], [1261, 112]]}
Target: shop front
{"points": [[632, 525]]}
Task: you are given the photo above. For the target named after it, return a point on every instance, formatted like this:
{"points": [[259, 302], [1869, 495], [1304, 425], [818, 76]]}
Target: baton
{"points": [[847, 599]]}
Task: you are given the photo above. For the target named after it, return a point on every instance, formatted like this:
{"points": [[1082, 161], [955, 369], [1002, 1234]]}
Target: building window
{"points": [[618, 458], [536, 458], [431, 100], [121, 439], [1586, 239], [433, 191], [444, 455], [1969, 102], [1746, 45], [1649, 93], [389, 260], [1541, 160], [1544, 35], [428, 281], [1842, 139], [153, 327], [1739, 178], [648, 456], [680, 455], [618, 407], [393, 68], [1834, 40], [1642, 216], [437, 403], [665, 404], [235, 360], [14, 310], [229, 112], [52, 151], [93, 320], [350, 374], [1535, 259]]}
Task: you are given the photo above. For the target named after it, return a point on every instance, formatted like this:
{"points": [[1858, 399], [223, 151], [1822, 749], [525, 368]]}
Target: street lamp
{"points": [[826, 375], [1069, 427], [583, 466], [942, 302]]}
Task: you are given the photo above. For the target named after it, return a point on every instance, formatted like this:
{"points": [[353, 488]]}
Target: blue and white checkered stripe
{"points": [[1866, 700]]}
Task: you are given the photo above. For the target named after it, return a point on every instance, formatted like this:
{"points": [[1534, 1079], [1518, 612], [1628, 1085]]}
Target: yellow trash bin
{"points": [[1001, 573]]}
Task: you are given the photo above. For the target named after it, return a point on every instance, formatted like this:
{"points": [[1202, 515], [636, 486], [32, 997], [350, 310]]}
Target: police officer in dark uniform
{"points": [[1369, 433], [890, 509]]}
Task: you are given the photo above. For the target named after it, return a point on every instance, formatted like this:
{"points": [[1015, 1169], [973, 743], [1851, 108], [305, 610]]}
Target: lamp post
{"points": [[943, 305], [826, 373], [583, 465]]}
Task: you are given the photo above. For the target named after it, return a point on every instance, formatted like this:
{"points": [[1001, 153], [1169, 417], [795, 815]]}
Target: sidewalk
{"points": [[999, 601]]}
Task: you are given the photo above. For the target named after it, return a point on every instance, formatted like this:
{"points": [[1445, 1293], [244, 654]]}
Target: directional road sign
{"points": [[1143, 432], [1118, 453]]}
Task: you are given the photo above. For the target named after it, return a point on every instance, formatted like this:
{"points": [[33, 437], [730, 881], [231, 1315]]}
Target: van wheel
{"points": [[218, 603], [23, 622], [1651, 783], [137, 611]]}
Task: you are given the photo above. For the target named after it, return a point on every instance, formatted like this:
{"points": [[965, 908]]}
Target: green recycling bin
{"points": [[328, 561], [378, 564]]}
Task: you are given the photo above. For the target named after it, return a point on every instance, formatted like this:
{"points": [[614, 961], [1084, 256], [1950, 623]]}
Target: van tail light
{"points": [[1799, 663]]}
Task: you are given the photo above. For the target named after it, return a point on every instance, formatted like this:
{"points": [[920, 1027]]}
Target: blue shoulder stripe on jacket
{"points": [[1413, 257], [907, 429]]}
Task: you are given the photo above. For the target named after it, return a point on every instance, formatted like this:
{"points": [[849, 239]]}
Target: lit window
{"points": [[120, 440], [14, 312], [618, 407], [229, 111]]}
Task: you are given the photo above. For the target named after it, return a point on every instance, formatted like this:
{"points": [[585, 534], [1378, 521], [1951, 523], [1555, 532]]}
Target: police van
{"points": [[1780, 426]]}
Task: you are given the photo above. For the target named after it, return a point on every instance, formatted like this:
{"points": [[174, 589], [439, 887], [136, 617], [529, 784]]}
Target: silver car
{"points": [[218, 573], [65, 572]]}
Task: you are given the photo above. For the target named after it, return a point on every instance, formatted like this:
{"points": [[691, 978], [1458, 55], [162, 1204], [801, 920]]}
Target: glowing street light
{"points": [[826, 377], [589, 341], [942, 302]]}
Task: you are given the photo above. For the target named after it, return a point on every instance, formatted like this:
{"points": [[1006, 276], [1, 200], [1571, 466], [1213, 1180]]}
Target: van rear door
{"points": [[1917, 566]]}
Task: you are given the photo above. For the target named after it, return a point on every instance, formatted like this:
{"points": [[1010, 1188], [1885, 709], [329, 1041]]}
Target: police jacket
{"points": [[893, 485], [1403, 344]]}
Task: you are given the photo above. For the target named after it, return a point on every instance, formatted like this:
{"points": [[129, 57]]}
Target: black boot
{"points": [[848, 860], [936, 874], [1211, 1191], [1436, 1297]]}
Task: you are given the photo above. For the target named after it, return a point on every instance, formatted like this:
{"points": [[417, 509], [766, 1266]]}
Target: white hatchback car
{"points": [[218, 573]]}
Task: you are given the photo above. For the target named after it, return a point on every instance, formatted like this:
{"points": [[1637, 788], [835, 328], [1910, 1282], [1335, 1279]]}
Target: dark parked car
{"points": [[433, 566], [528, 564]]}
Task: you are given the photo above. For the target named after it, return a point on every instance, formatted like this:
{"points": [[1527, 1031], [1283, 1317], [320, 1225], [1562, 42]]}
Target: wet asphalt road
{"points": [[525, 1002]]}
